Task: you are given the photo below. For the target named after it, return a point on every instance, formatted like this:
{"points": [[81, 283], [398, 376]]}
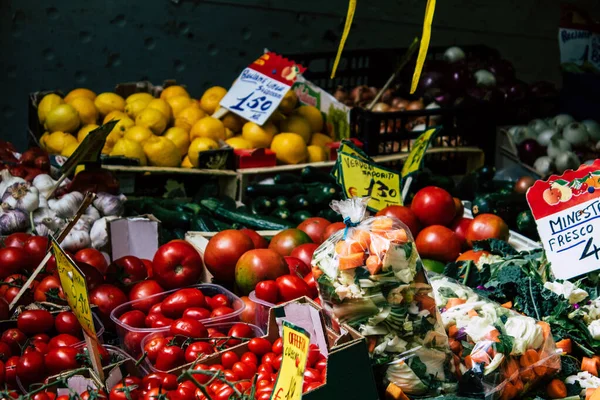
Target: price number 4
{"points": [[588, 252]]}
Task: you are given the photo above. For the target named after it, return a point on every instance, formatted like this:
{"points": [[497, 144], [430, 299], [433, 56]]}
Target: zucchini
{"points": [[243, 208], [276, 190], [261, 205], [208, 189], [281, 201], [282, 213], [299, 202], [220, 225], [330, 215], [246, 219], [228, 202], [202, 223], [169, 218], [286, 178], [301, 216], [526, 224], [312, 174]]}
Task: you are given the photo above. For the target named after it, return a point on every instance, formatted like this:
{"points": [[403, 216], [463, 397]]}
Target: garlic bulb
{"points": [[76, 240], [83, 224], [43, 202], [67, 205], [92, 213], [109, 204], [41, 213], [44, 183], [7, 180], [21, 196], [13, 221], [99, 232], [42, 230]]}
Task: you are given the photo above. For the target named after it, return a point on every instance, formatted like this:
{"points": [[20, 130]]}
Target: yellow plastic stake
{"points": [[349, 18], [429, 10]]}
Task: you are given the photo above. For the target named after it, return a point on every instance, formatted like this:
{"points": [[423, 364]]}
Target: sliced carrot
{"points": [[351, 261], [565, 345], [556, 389], [589, 393], [425, 302], [394, 392], [379, 245], [382, 224], [472, 313], [508, 305], [456, 360], [590, 365], [397, 235], [455, 345], [341, 248], [455, 301], [529, 358], [452, 331], [374, 264], [509, 391], [493, 335], [317, 273], [541, 370], [363, 238], [597, 358], [518, 384], [480, 356], [469, 362], [527, 374], [545, 329], [511, 369], [372, 343]]}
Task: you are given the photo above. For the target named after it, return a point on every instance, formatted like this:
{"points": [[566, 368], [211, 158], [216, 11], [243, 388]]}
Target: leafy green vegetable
{"points": [[466, 272], [447, 292], [505, 345], [495, 246]]}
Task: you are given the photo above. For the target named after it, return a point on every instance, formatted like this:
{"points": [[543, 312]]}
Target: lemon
{"points": [[189, 116], [47, 104], [320, 139], [153, 120], [229, 133], [238, 142], [186, 163], [135, 107], [288, 103], [317, 153], [63, 117], [57, 141], [180, 137], [199, 145], [146, 97], [114, 115], [84, 131], [259, 136], [123, 125], [108, 101], [178, 104], [69, 149], [172, 91], [129, 148], [289, 148], [233, 122], [80, 93], [43, 139], [312, 115], [299, 125], [161, 152], [162, 106], [211, 98], [86, 110], [208, 127], [138, 134]]}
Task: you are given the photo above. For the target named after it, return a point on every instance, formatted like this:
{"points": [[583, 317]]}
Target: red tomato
{"points": [[61, 359], [13, 260], [181, 393], [133, 318], [333, 228], [125, 391], [258, 265], [197, 313], [259, 346], [42, 396], [305, 252], [312, 285], [297, 266], [177, 264], [223, 251], [5, 351], [197, 349], [267, 291], [224, 394], [162, 379], [66, 322], [155, 394], [458, 207], [219, 300], [15, 339], [312, 375], [169, 357], [308, 386], [160, 322], [291, 287], [149, 267], [31, 322], [315, 228], [93, 277], [433, 206], [313, 355], [248, 315], [249, 358], [92, 257], [242, 331], [404, 214], [50, 290], [36, 345], [10, 369], [188, 327], [460, 227], [140, 294], [228, 359], [37, 246], [220, 311], [202, 378], [472, 255], [30, 368], [63, 340], [16, 240], [321, 365], [277, 346], [276, 363], [259, 241], [41, 336], [126, 271], [153, 346], [107, 298], [487, 226], [14, 279], [439, 243], [287, 240], [176, 303], [244, 370]]}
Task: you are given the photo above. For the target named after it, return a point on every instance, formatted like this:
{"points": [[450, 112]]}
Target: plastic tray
{"points": [[258, 332], [261, 314], [208, 289]]}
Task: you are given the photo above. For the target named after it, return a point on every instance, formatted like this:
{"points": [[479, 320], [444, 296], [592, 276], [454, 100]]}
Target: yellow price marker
{"points": [[347, 25], [296, 343], [348, 147], [425, 39], [417, 153]]}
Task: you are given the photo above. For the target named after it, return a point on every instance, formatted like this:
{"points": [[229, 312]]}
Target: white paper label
{"points": [[573, 44]]}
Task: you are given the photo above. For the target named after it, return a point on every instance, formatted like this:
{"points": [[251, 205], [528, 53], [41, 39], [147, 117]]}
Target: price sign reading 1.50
{"points": [[259, 104]]}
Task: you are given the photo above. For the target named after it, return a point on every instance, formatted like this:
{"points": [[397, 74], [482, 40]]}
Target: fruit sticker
{"points": [[259, 89], [291, 374], [567, 212]]}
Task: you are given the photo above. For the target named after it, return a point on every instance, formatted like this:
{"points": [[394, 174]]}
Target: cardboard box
{"points": [[132, 236]]}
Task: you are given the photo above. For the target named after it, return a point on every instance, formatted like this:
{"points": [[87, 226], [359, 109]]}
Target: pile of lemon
{"points": [[175, 128]]}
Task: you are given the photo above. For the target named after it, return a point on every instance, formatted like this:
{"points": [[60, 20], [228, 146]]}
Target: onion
{"points": [[562, 120], [502, 69], [576, 134], [593, 129], [454, 54], [567, 160], [529, 150], [415, 105], [521, 133], [387, 95], [543, 166], [399, 103], [437, 95], [485, 78], [515, 91], [524, 183], [340, 94], [432, 79], [460, 78], [558, 146], [538, 125], [546, 136], [380, 107]]}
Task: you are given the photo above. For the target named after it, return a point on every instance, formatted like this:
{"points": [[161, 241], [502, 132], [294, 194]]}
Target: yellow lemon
{"points": [[199, 145], [186, 163], [47, 104], [288, 103], [63, 117], [43, 139], [312, 115], [320, 139], [180, 137], [146, 97], [161, 152], [259, 136], [153, 120], [289, 148], [238, 142], [162, 106], [133, 108], [84, 131], [208, 127], [108, 101], [229, 133], [69, 149], [299, 125], [178, 104], [189, 116], [123, 125], [317, 153], [138, 134], [86, 110], [79, 93], [233, 122], [172, 91], [211, 98], [130, 149], [114, 115], [57, 141]]}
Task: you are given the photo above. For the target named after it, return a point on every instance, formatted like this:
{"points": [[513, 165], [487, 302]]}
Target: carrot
{"points": [[545, 329], [518, 384], [529, 358], [597, 358], [394, 392], [351, 261], [317, 273], [425, 302], [363, 238], [382, 224], [589, 393], [511, 369], [590, 365], [345, 248], [456, 360], [374, 264], [455, 345], [508, 305], [372, 343], [556, 389], [455, 301], [397, 235], [472, 313], [493, 335], [509, 391], [480, 356], [341, 248], [565, 345], [452, 331], [541, 370], [469, 362]]}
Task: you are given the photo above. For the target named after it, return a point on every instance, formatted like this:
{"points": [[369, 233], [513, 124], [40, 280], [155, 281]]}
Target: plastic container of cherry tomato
{"points": [[261, 314], [131, 337], [223, 327]]}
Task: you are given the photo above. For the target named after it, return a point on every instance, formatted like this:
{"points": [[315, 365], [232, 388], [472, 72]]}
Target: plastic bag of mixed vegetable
{"points": [[370, 276], [500, 353]]}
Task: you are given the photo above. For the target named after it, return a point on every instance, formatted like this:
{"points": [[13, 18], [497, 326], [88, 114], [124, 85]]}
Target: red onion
{"points": [[502, 69], [529, 150]]}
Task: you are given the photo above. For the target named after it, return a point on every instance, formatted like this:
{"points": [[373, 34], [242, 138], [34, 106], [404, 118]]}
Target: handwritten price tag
{"points": [[259, 89], [291, 374], [417, 153]]}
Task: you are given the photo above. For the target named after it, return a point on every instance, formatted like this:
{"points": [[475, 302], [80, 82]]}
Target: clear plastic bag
{"points": [[499, 353], [370, 276]]}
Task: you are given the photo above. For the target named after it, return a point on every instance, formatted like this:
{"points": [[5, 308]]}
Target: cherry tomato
{"points": [[107, 298], [155, 394], [202, 378], [182, 393], [308, 386], [10, 368], [231, 376], [177, 264], [50, 290], [265, 368], [249, 358], [239, 330], [161, 321], [321, 365], [35, 321], [312, 375], [145, 295], [188, 327], [433, 206], [125, 391], [162, 379], [30, 368], [259, 346], [277, 362], [133, 318], [263, 375], [244, 370], [277, 346], [229, 358], [198, 349], [221, 311], [61, 359], [37, 246], [176, 303], [153, 346], [220, 300], [15, 339], [169, 357], [66, 322], [291, 287], [224, 394], [63, 340], [197, 313], [92, 257], [267, 291], [313, 355], [269, 358]]}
